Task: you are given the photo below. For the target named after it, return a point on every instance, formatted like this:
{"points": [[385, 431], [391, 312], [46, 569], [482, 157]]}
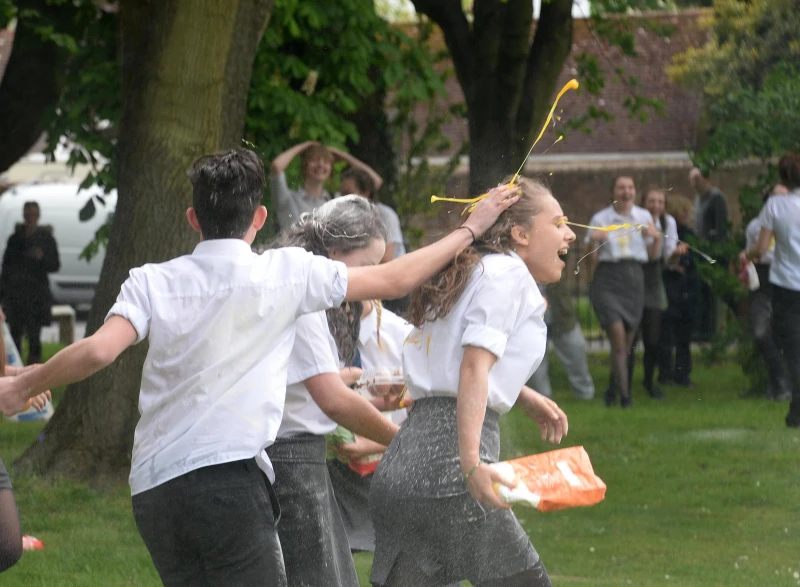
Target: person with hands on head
{"points": [[480, 334], [316, 167], [210, 404]]}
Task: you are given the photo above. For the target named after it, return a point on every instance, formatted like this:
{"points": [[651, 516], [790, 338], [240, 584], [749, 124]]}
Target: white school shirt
{"points": [[781, 215], [669, 242], [221, 324], [314, 353], [389, 353], [752, 232], [502, 311], [624, 243]]}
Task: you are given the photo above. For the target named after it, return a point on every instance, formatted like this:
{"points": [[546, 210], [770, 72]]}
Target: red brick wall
{"points": [[676, 131]]}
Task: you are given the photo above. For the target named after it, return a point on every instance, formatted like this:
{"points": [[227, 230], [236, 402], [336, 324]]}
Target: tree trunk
{"points": [[506, 80], [185, 75], [30, 84], [375, 145]]}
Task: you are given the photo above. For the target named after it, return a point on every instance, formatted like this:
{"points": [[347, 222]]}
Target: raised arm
{"points": [[282, 161], [377, 180], [399, 277], [74, 363]]}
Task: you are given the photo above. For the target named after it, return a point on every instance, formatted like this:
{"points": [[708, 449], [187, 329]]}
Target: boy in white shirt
{"points": [[221, 325]]}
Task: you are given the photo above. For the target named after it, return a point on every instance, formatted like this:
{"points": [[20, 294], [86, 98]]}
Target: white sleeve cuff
{"points": [[133, 315], [485, 337]]}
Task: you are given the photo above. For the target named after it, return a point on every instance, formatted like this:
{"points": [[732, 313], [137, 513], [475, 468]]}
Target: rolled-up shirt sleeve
{"points": [[326, 284], [767, 217], [496, 306], [133, 304], [312, 353]]}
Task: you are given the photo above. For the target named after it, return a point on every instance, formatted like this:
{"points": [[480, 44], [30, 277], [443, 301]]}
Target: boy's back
{"points": [[220, 323]]}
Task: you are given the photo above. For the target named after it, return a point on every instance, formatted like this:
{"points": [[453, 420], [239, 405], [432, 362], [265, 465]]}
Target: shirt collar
{"points": [[222, 247]]}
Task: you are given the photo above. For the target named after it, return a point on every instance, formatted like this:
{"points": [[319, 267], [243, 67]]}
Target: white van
{"points": [[59, 204]]}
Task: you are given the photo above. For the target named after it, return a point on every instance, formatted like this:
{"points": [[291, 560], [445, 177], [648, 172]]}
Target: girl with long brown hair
{"points": [[479, 336]]}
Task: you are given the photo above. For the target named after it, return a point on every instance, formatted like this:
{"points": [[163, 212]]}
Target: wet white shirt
{"points": [[502, 311], [781, 215], [623, 244], [221, 325], [314, 353], [385, 351], [669, 242]]}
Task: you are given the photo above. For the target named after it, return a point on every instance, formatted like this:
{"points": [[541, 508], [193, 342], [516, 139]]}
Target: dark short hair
{"points": [[362, 180], [30, 204], [789, 170], [227, 190]]}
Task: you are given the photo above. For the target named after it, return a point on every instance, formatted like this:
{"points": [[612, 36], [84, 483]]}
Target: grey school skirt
{"points": [[421, 506], [311, 531], [352, 496], [617, 293]]}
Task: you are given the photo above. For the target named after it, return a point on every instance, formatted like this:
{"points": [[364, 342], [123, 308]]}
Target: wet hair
{"points": [[341, 225], [312, 153], [362, 180], [789, 170], [434, 300], [226, 192]]}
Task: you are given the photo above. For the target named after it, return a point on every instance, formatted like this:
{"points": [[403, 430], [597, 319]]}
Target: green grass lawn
{"points": [[702, 491]]}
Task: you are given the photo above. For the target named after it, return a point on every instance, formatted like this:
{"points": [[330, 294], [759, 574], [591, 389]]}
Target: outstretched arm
{"points": [[399, 277], [355, 163], [282, 161], [74, 363], [346, 407]]}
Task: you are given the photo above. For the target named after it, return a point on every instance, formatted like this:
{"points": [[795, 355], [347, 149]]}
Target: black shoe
{"points": [[684, 383], [793, 420], [626, 402], [654, 392], [610, 397]]}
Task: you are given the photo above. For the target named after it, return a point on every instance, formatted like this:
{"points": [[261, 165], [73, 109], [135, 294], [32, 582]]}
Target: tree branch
{"points": [[29, 86], [450, 17]]}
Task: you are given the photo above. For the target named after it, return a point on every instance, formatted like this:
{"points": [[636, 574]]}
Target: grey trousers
{"points": [[570, 349]]}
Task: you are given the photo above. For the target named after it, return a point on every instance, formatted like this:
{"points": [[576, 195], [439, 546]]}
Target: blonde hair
{"points": [[678, 204]]}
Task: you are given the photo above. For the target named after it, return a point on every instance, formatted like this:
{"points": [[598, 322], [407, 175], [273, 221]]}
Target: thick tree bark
{"points": [[30, 84], [507, 80], [185, 74]]}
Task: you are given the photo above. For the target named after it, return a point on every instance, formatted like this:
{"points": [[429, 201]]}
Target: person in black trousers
{"points": [[31, 253], [682, 285]]}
